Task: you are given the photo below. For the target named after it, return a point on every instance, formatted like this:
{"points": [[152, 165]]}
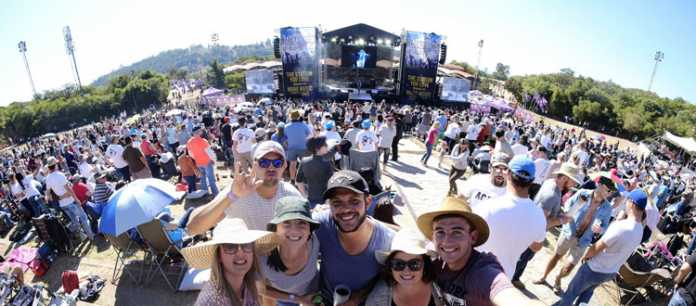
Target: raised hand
{"points": [[243, 183]]}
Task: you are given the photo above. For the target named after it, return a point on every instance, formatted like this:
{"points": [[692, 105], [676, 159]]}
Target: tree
{"points": [[502, 72], [216, 76], [568, 71]]}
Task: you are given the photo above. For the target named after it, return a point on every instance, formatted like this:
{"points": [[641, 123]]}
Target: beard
{"points": [[498, 183], [360, 221]]}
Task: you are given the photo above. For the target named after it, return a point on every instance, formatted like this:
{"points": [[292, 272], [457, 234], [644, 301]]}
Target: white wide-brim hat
{"points": [[229, 230], [408, 241]]}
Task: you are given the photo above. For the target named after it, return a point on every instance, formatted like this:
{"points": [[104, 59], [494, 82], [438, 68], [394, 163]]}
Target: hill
{"points": [[191, 59]]}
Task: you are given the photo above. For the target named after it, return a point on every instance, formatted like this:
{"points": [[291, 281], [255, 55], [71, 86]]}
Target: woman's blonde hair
{"points": [[217, 279], [436, 125]]}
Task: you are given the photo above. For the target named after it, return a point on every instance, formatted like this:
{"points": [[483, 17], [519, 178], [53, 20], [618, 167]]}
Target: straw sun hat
{"points": [[229, 230], [454, 206]]}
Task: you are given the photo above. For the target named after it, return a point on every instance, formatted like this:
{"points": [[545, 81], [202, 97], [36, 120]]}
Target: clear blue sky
{"points": [[603, 39]]}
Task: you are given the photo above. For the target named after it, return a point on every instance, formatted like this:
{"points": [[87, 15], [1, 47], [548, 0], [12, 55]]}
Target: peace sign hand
{"points": [[243, 183]]}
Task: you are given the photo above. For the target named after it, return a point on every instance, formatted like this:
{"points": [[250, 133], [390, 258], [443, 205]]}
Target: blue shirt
{"points": [[280, 140], [603, 214], [338, 267], [297, 133], [661, 196], [443, 122]]}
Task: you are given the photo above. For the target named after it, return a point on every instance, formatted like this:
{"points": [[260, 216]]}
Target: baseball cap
{"points": [[522, 167], [329, 125], [196, 128], [499, 158], [347, 179], [260, 132], [51, 161], [266, 147], [366, 124], [639, 197]]}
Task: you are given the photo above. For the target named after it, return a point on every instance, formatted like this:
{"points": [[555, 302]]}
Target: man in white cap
{"points": [[484, 186], [252, 196]]}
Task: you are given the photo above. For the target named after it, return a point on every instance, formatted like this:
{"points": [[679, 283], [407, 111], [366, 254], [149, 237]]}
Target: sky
{"points": [[606, 40]]}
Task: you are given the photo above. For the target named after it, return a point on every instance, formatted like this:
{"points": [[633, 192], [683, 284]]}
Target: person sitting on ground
{"points": [[408, 274], [349, 238], [253, 196], [290, 270], [230, 256], [466, 276]]}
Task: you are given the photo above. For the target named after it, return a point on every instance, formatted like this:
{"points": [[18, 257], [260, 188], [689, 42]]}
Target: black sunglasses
{"points": [[265, 163], [413, 265], [231, 248]]}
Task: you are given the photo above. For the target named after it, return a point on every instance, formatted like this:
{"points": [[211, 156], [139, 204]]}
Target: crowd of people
{"points": [[297, 224]]}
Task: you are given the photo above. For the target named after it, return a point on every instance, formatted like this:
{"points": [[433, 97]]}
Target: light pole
{"points": [[70, 49], [659, 56], [23, 49], [478, 63]]}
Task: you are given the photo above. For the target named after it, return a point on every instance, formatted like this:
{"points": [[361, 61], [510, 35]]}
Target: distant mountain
{"points": [[191, 59]]}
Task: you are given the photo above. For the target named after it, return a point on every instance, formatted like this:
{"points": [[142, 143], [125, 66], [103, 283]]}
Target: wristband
{"points": [[233, 198]]}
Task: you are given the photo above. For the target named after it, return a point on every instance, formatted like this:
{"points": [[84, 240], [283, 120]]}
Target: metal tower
{"points": [[23, 49], [659, 56], [70, 49]]}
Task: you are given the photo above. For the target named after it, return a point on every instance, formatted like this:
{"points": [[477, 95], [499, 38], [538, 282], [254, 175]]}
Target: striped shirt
{"points": [[102, 192]]}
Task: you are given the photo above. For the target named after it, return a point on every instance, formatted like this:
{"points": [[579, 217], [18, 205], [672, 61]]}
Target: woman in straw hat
{"points": [[408, 275], [290, 270], [230, 256]]}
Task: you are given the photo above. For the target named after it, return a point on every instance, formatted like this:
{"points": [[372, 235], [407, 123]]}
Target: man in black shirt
{"points": [[226, 130], [685, 288]]}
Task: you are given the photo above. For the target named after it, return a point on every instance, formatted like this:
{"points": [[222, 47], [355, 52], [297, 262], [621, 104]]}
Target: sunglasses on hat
{"points": [[399, 265], [265, 163]]}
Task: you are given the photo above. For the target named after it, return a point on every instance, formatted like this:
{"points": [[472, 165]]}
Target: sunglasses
{"points": [[413, 265], [265, 163], [231, 248]]}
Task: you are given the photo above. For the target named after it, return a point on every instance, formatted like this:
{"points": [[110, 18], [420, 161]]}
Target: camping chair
{"points": [[125, 248], [160, 250], [630, 278], [367, 164]]}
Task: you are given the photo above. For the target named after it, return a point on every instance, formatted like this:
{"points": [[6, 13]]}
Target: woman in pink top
{"points": [[430, 142]]}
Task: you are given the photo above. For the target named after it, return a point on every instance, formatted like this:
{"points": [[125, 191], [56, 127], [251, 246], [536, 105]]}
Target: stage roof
{"points": [[252, 65], [361, 30]]}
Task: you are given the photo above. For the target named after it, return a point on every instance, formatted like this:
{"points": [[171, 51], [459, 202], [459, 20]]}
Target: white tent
{"points": [[687, 144]]}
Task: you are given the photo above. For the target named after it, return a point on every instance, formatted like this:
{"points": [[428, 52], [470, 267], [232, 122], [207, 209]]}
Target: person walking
{"points": [[430, 141]]}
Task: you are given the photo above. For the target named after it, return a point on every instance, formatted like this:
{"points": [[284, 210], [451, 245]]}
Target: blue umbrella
{"points": [[136, 203]]}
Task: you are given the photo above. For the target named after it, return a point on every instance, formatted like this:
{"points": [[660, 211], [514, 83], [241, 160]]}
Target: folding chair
{"points": [[160, 250], [630, 278], [125, 248]]}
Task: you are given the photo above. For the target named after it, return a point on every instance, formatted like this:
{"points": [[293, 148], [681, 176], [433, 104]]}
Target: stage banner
{"points": [[299, 53], [259, 81], [421, 52], [455, 89]]}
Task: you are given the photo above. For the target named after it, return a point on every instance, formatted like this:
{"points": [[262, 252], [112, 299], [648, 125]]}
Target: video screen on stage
{"points": [[359, 57], [455, 89], [300, 61], [259, 81], [421, 55]]}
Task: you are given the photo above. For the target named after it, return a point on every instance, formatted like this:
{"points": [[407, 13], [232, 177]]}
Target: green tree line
{"points": [[603, 106], [58, 110]]}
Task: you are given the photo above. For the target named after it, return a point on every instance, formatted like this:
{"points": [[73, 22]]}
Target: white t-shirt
{"points": [[115, 154], [652, 215], [542, 168], [622, 238], [56, 181], [257, 211], [332, 139], [472, 132], [519, 149], [478, 188], [452, 131], [244, 138], [367, 141], [515, 224]]}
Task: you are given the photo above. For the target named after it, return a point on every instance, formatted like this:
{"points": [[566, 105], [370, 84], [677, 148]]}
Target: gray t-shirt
{"points": [[549, 198], [257, 211], [315, 171], [302, 283]]}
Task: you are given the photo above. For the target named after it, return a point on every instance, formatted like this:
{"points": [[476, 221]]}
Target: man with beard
{"points": [[549, 199], [484, 186], [252, 196], [349, 238]]}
